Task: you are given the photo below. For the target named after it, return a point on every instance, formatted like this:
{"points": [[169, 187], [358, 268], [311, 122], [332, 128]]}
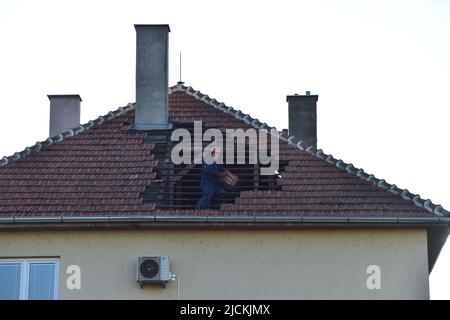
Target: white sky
{"points": [[381, 69]]}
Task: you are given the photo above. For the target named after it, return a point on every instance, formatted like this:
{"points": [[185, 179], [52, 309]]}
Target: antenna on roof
{"points": [[180, 69]]}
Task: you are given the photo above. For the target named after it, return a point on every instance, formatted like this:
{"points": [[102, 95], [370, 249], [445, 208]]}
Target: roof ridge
{"points": [[320, 154], [63, 135]]}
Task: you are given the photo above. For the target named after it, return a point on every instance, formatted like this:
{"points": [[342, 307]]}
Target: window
{"points": [[29, 279]]}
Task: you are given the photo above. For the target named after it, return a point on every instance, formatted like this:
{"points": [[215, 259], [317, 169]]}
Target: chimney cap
{"points": [[152, 26], [51, 96], [308, 95]]}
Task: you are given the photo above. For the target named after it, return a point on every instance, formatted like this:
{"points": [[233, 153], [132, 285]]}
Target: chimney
{"points": [[303, 117], [152, 79], [64, 112]]}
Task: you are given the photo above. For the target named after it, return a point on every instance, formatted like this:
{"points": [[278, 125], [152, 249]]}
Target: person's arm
{"points": [[213, 171], [221, 172]]}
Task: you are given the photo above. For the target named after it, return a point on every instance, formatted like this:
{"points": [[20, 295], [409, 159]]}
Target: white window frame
{"points": [[25, 274]]}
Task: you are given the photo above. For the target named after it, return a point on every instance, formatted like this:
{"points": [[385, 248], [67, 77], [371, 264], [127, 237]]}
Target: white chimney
{"points": [[152, 78], [64, 112]]}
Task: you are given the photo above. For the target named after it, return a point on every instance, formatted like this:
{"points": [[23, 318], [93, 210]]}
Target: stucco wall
{"points": [[236, 264]]}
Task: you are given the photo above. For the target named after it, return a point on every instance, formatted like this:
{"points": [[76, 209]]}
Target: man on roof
{"points": [[211, 181]]}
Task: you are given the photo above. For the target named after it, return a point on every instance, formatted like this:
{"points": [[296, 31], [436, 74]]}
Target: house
{"points": [[78, 209]]}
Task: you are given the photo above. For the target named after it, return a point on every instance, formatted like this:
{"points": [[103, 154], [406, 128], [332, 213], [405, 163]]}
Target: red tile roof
{"points": [[101, 168]]}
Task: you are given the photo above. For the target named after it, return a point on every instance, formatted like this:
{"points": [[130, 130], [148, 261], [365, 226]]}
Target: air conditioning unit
{"points": [[153, 270]]}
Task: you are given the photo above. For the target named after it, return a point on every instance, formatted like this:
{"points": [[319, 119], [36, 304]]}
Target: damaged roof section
{"points": [[177, 186], [105, 166]]}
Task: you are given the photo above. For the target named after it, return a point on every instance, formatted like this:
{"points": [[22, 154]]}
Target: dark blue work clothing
{"points": [[211, 185]]}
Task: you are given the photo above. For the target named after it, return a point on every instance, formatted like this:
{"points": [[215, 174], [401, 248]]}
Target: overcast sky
{"points": [[381, 70]]}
